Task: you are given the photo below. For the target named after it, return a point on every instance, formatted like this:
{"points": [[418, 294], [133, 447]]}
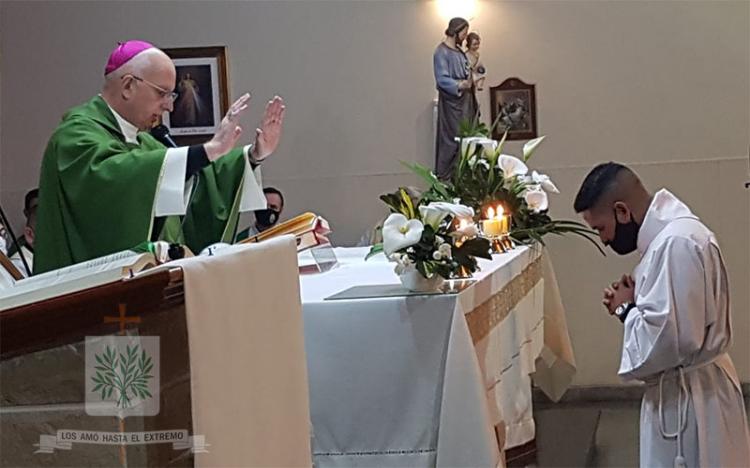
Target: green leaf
{"points": [[430, 178], [393, 200], [407, 202], [530, 147], [374, 250], [476, 247]]}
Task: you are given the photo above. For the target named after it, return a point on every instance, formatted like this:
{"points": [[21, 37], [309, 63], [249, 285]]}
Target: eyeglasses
{"points": [[163, 93]]}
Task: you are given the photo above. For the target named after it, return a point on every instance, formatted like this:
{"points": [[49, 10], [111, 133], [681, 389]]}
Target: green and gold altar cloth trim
{"points": [[487, 315]]}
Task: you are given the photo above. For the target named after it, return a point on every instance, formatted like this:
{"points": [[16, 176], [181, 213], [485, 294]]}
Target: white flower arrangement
{"points": [[436, 238]]}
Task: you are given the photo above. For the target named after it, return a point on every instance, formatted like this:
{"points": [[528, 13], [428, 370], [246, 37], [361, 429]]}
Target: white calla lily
{"points": [[400, 232], [530, 147], [544, 181], [511, 166], [432, 216], [468, 146], [455, 209], [489, 146], [536, 200]]}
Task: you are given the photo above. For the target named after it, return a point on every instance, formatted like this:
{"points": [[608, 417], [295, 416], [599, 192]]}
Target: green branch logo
{"points": [[124, 375]]}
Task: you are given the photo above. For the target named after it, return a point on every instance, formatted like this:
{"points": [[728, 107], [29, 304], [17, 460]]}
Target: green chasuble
{"points": [[97, 192]]}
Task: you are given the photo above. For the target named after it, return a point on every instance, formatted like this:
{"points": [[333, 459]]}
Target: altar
{"points": [[431, 380], [227, 383]]}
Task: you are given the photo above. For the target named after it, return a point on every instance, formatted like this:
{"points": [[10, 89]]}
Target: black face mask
{"points": [[267, 217], [626, 236]]}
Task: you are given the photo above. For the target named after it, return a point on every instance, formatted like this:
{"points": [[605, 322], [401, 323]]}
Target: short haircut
{"points": [[31, 195], [598, 183], [276, 191]]}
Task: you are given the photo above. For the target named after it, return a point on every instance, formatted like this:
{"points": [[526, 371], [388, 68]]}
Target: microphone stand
{"points": [[15, 241]]}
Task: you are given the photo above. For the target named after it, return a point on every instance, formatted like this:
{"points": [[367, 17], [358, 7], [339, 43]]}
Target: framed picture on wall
{"points": [[202, 98], [513, 102]]}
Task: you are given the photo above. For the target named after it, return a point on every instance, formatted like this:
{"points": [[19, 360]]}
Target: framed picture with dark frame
{"points": [[514, 103], [202, 98]]}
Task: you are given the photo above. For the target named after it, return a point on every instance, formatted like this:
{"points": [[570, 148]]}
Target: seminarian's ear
{"points": [[622, 212]]}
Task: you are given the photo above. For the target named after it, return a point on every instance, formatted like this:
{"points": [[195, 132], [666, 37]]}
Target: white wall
{"points": [[663, 86]]}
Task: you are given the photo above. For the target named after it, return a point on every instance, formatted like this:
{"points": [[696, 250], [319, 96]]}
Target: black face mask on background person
{"points": [[267, 217], [626, 236]]}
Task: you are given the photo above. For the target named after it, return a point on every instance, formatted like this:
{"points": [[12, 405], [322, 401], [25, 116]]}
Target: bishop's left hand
{"points": [[619, 292], [268, 135]]}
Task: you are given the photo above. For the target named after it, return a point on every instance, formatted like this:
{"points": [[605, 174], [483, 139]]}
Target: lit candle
{"points": [[503, 220], [491, 226]]}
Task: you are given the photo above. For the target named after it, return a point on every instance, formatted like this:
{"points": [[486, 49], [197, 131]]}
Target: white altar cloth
{"points": [[438, 380]]}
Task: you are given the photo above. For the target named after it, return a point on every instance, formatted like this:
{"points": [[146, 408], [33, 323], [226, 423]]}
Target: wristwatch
{"points": [[622, 310]]}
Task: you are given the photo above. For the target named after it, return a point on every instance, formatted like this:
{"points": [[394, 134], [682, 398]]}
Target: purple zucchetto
{"points": [[123, 53]]}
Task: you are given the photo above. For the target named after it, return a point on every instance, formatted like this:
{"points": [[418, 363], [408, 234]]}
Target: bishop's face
{"points": [[149, 95]]}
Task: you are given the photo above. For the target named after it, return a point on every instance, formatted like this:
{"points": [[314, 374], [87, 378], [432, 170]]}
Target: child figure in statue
{"points": [[477, 67]]}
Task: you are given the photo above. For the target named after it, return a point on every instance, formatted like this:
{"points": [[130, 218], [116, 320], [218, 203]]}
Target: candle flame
{"points": [[490, 213], [500, 211]]}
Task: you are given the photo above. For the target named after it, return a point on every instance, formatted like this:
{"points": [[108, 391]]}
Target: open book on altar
{"points": [[309, 229], [84, 275]]}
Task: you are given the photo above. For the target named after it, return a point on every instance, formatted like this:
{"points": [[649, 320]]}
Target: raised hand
{"points": [[229, 130], [268, 135]]}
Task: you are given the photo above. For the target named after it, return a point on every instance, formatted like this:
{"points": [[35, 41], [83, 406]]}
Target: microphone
{"points": [[161, 133]]}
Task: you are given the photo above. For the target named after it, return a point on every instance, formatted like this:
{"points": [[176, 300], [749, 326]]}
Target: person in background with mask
{"points": [[675, 309], [267, 218], [31, 200]]}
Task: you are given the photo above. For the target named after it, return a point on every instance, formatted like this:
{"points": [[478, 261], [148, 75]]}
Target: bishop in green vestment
{"points": [[105, 180]]}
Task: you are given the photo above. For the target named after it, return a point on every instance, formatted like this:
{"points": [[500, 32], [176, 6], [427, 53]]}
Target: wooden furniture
{"points": [[42, 372]]}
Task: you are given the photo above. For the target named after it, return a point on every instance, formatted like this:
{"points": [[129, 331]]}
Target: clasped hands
{"points": [[267, 135], [618, 293]]}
